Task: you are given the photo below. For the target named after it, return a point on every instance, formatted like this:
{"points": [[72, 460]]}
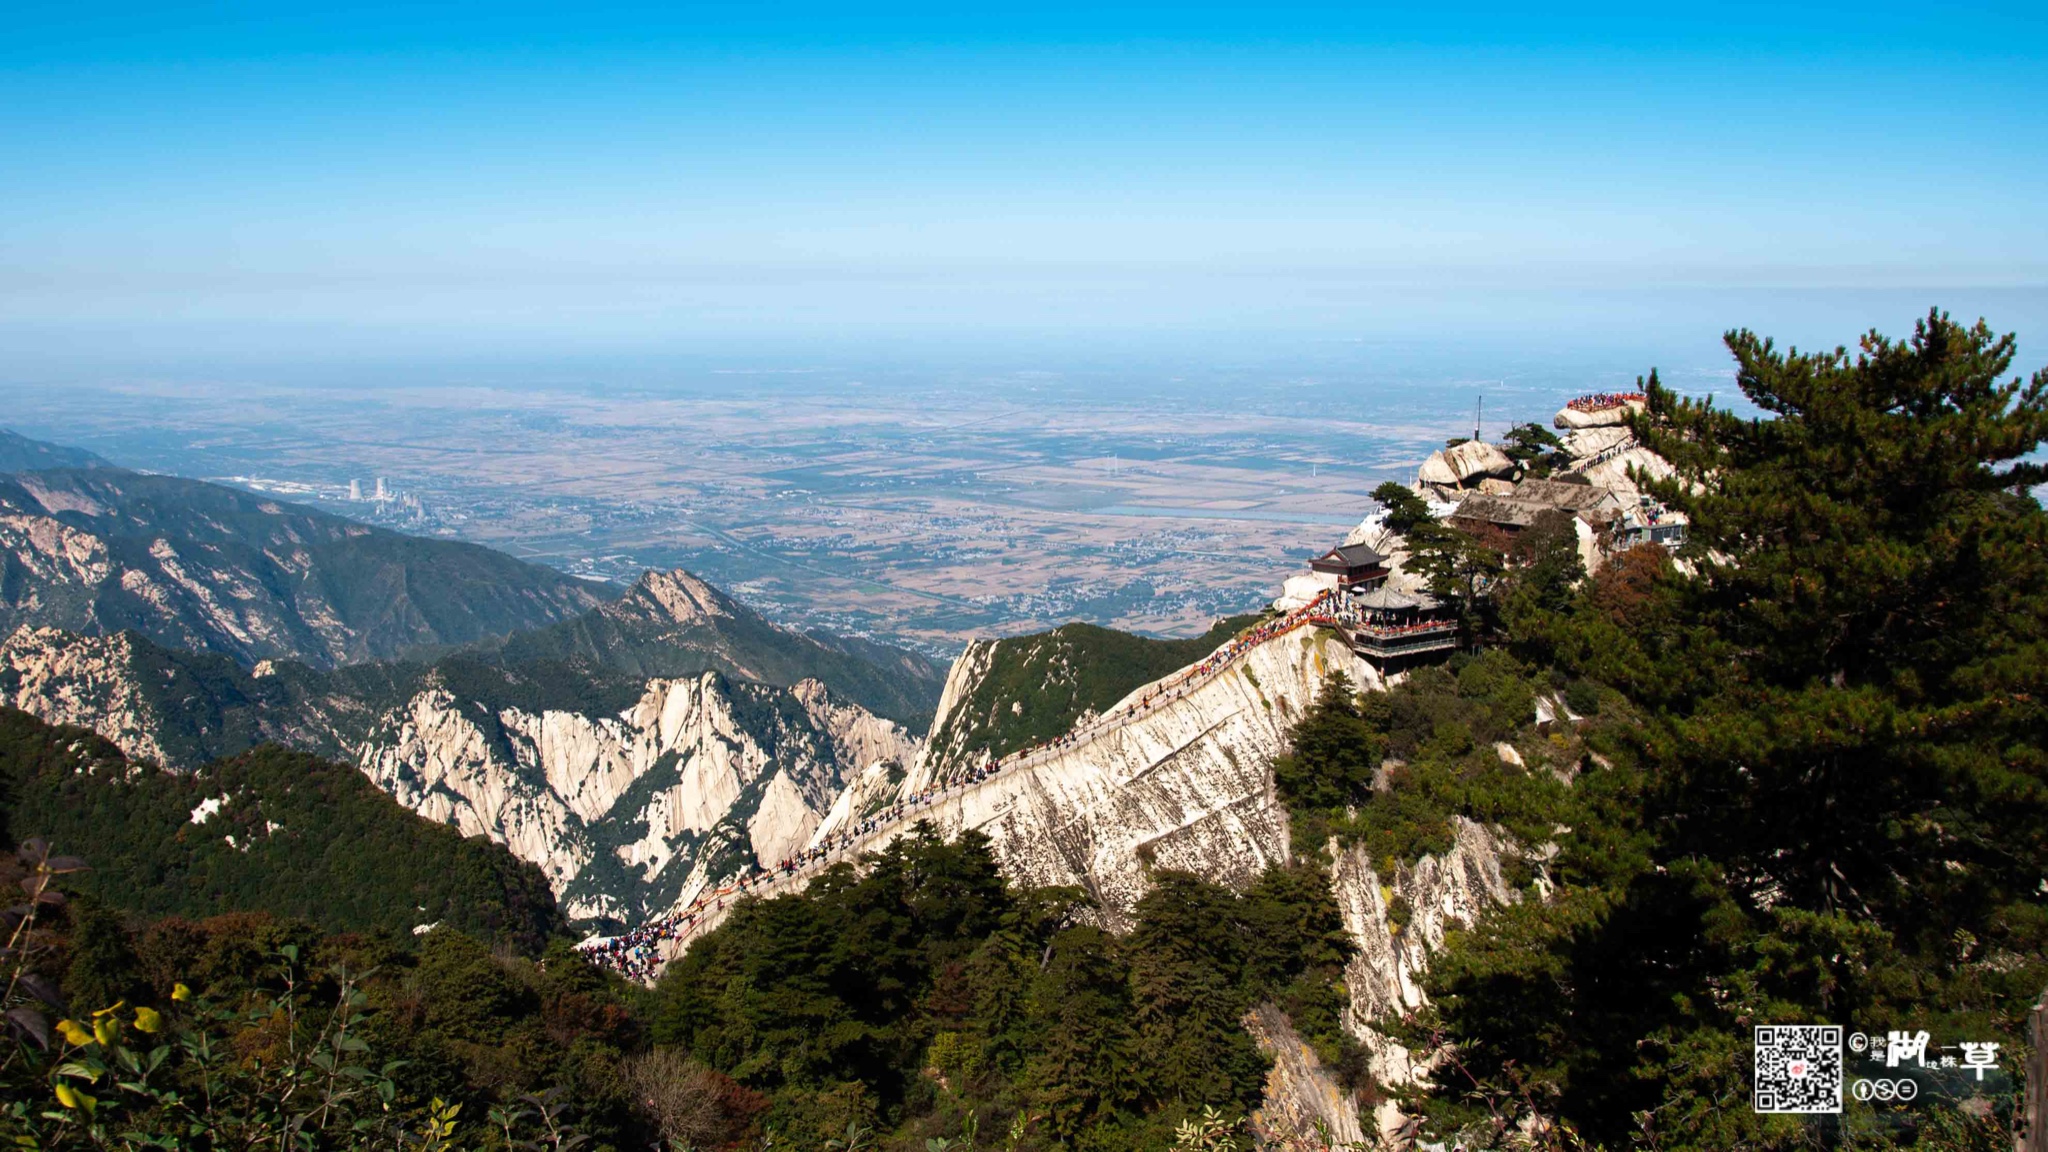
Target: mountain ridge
{"points": [[673, 623], [18, 453], [624, 791], [212, 568]]}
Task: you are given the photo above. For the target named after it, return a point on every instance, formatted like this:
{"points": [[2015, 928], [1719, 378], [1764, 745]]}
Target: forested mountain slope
{"points": [[1002, 695], [1822, 794], [268, 831]]}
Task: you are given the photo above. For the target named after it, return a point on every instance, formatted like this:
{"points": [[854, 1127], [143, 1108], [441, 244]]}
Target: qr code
{"points": [[1799, 1068]]}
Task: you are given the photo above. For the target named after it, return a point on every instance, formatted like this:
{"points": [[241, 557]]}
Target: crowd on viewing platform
{"points": [[1413, 628], [1601, 401], [639, 954]]}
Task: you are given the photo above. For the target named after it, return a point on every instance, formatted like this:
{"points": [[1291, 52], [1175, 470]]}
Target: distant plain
{"points": [[925, 497]]}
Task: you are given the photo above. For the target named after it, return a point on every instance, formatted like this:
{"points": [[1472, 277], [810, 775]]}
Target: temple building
{"points": [[1517, 509], [1649, 523], [1396, 629], [1351, 566]]}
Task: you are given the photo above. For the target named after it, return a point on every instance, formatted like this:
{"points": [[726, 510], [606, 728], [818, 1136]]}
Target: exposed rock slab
{"points": [[1187, 786], [1385, 976], [1304, 1105], [646, 794]]}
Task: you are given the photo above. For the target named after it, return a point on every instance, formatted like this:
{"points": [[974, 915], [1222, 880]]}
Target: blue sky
{"points": [[603, 176]]}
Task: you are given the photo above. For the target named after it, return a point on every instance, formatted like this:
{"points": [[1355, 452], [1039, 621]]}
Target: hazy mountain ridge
{"points": [[18, 453], [211, 568]]}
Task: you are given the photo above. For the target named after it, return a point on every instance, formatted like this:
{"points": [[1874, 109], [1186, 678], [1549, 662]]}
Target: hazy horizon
{"points": [[1452, 335], [243, 180], [1141, 299]]}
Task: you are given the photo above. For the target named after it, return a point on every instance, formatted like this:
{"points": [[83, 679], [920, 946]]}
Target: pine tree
{"points": [[1835, 808], [1878, 589]]}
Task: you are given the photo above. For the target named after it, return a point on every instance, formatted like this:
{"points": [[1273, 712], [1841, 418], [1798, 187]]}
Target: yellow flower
{"points": [[148, 1020], [181, 993], [74, 1032]]}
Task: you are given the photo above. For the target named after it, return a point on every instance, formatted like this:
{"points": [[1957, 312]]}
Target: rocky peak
{"points": [[675, 597]]}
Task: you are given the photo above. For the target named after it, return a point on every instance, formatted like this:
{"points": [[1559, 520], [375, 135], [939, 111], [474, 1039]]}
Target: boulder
{"points": [[1297, 591], [1462, 464]]}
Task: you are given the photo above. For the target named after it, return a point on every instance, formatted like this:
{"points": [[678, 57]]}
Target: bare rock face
{"points": [[637, 810], [863, 737], [676, 597], [1187, 786], [50, 552], [1440, 893], [88, 682], [1304, 1105], [1190, 787], [945, 745]]}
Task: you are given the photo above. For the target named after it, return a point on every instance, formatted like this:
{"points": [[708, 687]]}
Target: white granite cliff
{"points": [[1304, 1105], [85, 681], [697, 778], [647, 786], [1385, 976], [947, 743], [1188, 786]]}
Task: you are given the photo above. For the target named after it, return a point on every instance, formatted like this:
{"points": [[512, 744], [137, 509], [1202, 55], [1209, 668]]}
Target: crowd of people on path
{"points": [[639, 954], [1601, 401]]}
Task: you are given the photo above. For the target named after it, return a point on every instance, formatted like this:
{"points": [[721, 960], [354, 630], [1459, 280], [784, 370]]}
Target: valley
{"points": [[1023, 578], [1380, 756]]}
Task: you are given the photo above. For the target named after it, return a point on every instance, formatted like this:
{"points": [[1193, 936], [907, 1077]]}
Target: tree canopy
{"points": [[1833, 804]]}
